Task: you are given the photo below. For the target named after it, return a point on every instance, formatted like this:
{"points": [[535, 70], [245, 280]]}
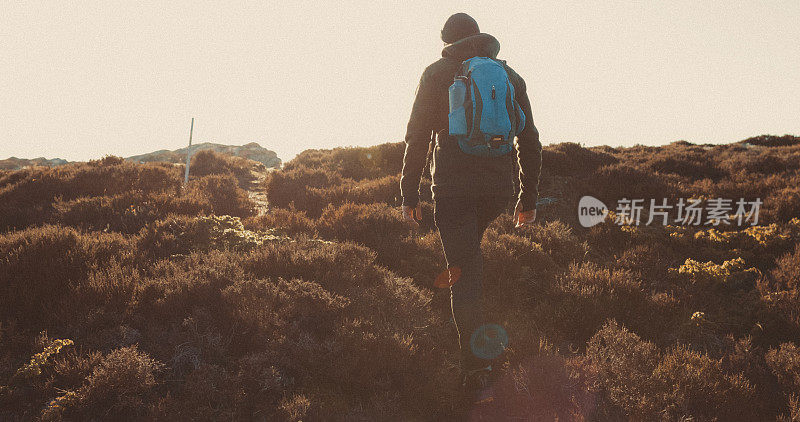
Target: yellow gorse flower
{"points": [[34, 367]]}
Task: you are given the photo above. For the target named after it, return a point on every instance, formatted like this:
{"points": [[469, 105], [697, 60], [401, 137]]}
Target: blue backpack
{"points": [[484, 116]]}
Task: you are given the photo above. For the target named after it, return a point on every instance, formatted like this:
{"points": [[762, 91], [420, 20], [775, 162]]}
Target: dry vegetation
{"points": [[124, 296]]}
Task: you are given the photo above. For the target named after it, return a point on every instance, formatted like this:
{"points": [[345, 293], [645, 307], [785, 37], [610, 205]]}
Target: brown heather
{"points": [[125, 296]]}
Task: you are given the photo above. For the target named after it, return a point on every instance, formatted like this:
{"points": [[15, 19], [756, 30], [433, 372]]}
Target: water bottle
{"points": [[458, 90], [457, 117]]}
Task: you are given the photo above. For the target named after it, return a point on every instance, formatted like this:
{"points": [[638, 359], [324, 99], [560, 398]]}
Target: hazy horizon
{"points": [[84, 80]]}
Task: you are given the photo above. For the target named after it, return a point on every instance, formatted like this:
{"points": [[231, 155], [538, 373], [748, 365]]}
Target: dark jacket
{"points": [[454, 172]]}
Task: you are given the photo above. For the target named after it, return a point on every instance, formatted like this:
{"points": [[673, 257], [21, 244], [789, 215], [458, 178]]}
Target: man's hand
{"points": [[523, 218], [412, 214]]}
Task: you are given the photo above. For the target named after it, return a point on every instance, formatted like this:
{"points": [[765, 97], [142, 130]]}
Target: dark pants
{"points": [[461, 223]]}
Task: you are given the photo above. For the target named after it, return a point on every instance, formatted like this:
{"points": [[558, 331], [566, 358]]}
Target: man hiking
{"points": [[474, 106]]}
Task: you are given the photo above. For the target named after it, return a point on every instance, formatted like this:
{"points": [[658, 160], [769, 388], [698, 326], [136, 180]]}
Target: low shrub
{"points": [[772, 141], [223, 193], [780, 291], [783, 204], [624, 365], [290, 186], [39, 266], [558, 240], [507, 257], [127, 212], [587, 294], [785, 364], [207, 162], [639, 382], [31, 197], [313, 191], [285, 221], [612, 182], [651, 261], [544, 386], [691, 384], [181, 235], [354, 163], [120, 387], [375, 225], [571, 159]]}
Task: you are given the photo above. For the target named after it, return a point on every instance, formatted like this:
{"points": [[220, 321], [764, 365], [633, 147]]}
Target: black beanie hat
{"points": [[458, 26]]}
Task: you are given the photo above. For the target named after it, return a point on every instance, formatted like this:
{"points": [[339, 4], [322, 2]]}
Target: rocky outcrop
{"points": [[252, 151], [15, 163]]}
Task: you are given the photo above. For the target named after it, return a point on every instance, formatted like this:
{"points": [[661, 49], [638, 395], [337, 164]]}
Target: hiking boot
{"points": [[477, 385]]}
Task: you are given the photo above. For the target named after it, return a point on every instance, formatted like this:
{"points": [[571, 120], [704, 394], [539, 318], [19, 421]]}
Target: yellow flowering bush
{"points": [[709, 271], [760, 235], [34, 367]]}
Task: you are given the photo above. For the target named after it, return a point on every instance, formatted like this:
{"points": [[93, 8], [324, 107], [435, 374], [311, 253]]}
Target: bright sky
{"points": [[80, 80]]}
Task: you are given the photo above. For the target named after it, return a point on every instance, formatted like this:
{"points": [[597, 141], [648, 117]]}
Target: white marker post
{"points": [[188, 154]]}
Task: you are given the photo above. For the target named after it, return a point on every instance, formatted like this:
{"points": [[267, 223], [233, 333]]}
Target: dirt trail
{"points": [[256, 190]]}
